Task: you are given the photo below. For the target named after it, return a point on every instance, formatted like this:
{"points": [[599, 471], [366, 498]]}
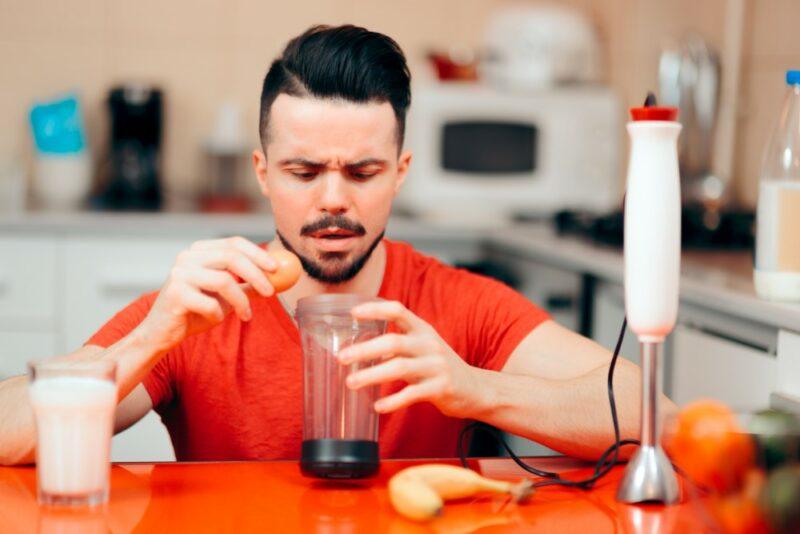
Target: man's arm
{"points": [[201, 289], [552, 389], [18, 442]]}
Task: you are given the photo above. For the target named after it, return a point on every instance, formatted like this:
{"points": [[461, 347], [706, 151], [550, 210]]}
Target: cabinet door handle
{"points": [[733, 338], [112, 286], [786, 402], [560, 302]]}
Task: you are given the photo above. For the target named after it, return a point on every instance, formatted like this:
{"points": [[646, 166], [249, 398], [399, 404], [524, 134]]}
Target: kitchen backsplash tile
{"points": [[203, 52]]}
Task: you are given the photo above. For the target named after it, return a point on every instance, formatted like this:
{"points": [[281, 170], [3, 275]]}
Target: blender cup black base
{"points": [[339, 458]]}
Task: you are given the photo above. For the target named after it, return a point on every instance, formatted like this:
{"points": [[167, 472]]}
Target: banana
{"points": [[419, 492], [413, 498]]}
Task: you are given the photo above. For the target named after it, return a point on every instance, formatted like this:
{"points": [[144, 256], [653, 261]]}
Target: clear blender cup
{"points": [[340, 425]]}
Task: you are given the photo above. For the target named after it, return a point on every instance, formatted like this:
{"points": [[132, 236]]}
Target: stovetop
{"points": [[700, 230]]}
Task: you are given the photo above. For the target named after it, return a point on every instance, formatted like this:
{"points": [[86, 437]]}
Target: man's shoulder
{"points": [[411, 267], [404, 257]]}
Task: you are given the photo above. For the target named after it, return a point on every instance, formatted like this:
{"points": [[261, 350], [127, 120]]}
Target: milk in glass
{"points": [[74, 421]]}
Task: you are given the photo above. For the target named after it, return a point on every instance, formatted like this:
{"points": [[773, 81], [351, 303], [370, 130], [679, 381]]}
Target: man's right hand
{"points": [[202, 289]]}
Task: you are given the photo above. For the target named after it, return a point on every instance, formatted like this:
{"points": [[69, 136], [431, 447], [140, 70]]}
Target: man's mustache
{"points": [[338, 221]]}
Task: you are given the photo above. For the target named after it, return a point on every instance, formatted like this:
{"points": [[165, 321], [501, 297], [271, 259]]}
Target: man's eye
{"points": [[303, 175], [364, 175]]}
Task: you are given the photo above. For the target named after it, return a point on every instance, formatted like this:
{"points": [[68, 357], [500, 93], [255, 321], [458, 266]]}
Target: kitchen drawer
{"points": [[104, 275], [707, 364], [27, 282], [18, 348]]}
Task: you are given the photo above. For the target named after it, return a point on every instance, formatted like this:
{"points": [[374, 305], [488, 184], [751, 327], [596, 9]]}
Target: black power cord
{"points": [[605, 463]]}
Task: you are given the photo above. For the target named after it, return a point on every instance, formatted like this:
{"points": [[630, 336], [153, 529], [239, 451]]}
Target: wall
{"points": [[206, 51], [771, 47]]}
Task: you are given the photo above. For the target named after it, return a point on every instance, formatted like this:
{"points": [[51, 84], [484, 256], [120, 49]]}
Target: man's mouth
{"points": [[333, 232], [334, 239]]}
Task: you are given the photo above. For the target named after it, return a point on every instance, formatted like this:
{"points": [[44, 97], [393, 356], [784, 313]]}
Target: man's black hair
{"points": [[342, 62]]}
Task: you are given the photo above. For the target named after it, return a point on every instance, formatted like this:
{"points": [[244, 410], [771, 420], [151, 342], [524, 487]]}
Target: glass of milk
{"points": [[73, 404]]}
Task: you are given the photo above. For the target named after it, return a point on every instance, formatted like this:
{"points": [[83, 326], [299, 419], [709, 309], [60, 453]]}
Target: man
{"points": [[216, 353]]}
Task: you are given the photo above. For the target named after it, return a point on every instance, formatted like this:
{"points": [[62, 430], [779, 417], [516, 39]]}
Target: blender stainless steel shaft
{"points": [[649, 476]]}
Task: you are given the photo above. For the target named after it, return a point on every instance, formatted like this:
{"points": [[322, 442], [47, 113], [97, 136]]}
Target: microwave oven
{"points": [[482, 155]]}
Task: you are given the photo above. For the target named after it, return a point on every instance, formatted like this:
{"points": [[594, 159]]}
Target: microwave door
{"points": [[480, 147]]}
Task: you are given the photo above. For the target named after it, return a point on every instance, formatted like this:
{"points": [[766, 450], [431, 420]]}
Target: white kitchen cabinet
{"points": [[28, 301], [712, 365], [27, 282], [103, 275], [18, 348], [146, 441]]}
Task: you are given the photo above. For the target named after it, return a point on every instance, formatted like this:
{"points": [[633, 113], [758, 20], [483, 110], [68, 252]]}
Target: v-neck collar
{"points": [[284, 317]]}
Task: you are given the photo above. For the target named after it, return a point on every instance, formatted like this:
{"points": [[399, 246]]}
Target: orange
{"points": [[708, 444], [738, 514]]}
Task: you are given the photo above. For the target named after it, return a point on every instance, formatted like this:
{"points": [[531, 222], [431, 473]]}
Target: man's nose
{"points": [[334, 197]]}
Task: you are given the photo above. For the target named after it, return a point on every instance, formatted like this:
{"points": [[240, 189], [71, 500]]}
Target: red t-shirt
{"points": [[235, 392]]}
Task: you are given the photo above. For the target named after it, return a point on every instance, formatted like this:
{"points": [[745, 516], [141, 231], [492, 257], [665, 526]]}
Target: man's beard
{"points": [[341, 273]]}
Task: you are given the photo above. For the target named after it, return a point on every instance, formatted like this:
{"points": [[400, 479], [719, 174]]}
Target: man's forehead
{"points": [[315, 124]]}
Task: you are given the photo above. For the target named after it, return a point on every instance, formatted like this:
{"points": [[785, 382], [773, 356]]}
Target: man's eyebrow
{"points": [[300, 161], [365, 162]]}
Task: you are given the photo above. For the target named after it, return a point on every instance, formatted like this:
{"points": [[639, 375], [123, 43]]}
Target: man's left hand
{"points": [[418, 356]]}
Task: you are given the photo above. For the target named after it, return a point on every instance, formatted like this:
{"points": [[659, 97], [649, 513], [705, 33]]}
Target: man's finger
{"points": [[407, 396], [235, 262], [197, 302], [245, 269], [389, 311], [400, 368], [222, 284], [383, 346], [258, 255]]}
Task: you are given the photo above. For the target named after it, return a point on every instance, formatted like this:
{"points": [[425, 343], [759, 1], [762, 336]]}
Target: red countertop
{"points": [[274, 497]]}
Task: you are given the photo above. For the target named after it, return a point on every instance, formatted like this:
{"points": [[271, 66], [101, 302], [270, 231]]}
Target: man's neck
{"points": [[366, 282]]}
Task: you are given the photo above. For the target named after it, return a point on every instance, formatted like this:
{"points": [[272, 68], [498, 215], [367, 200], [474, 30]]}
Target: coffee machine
{"points": [[132, 178]]}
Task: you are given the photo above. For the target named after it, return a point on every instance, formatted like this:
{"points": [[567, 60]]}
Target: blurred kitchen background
{"points": [[208, 55], [122, 122]]}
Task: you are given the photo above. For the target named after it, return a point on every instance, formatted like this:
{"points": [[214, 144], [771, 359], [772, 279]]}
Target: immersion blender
{"points": [[652, 272]]}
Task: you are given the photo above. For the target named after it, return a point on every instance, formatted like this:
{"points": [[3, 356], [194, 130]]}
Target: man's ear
{"points": [[260, 166], [402, 169]]}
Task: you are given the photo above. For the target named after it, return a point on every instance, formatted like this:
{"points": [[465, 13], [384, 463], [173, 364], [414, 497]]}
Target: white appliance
{"points": [[482, 155], [652, 273], [538, 46]]}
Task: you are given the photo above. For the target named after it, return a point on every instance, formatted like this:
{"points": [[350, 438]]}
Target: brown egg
{"points": [[288, 272]]}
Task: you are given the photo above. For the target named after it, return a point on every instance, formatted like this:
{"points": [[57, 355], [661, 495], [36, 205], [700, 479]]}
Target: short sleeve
{"points": [[160, 379], [123, 322], [498, 319]]}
